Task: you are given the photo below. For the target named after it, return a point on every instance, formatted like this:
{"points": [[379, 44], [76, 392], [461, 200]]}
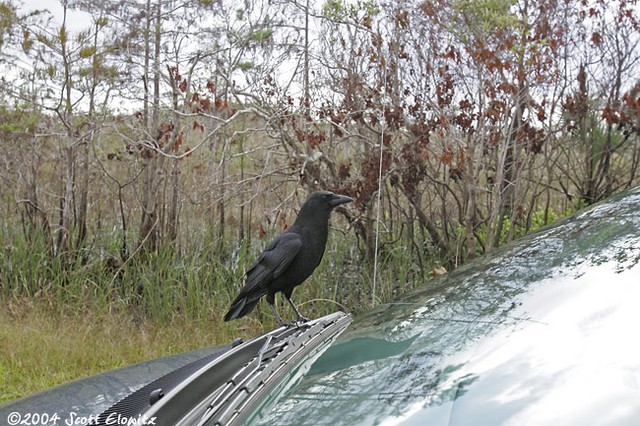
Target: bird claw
{"points": [[294, 323], [298, 322]]}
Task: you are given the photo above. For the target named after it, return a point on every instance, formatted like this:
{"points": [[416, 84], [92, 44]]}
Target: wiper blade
{"points": [[230, 388]]}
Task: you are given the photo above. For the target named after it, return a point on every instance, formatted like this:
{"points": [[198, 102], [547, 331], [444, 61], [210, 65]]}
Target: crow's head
{"points": [[327, 199], [320, 204]]}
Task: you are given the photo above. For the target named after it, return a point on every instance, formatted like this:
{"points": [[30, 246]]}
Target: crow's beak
{"points": [[336, 200]]}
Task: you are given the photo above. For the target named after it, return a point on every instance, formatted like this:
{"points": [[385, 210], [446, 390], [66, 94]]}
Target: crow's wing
{"points": [[272, 262], [270, 265]]}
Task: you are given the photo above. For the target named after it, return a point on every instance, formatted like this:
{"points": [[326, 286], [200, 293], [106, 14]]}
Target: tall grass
{"points": [[192, 279]]}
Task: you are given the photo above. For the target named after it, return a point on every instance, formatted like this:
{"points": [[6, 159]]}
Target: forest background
{"points": [[150, 148]]}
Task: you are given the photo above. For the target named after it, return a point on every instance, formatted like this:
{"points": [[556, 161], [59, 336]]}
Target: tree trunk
{"points": [[64, 234], [172, 219], [470, 200], [148, 237], [432, 230]]}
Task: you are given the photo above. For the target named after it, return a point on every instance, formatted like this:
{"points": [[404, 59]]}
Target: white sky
{"points": [[75, 20]]}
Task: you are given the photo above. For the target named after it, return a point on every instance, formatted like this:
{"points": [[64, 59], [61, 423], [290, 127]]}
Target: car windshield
{"points": [[542, 331]]}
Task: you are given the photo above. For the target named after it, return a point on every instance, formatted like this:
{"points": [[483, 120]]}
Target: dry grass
{"points": [[40, 348]]}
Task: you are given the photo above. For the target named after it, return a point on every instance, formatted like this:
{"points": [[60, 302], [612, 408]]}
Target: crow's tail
{"points": [[241, 307]]}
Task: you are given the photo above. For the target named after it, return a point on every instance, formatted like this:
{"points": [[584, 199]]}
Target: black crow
{"points": [[290, 258]]}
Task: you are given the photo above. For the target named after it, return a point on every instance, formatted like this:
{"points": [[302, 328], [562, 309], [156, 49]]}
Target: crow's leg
{"points": [[279, 319], [299, 318], [271, 301]]}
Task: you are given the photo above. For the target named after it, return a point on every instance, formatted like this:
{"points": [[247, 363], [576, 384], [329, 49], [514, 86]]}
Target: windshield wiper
{"points": [[231, 387]]}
